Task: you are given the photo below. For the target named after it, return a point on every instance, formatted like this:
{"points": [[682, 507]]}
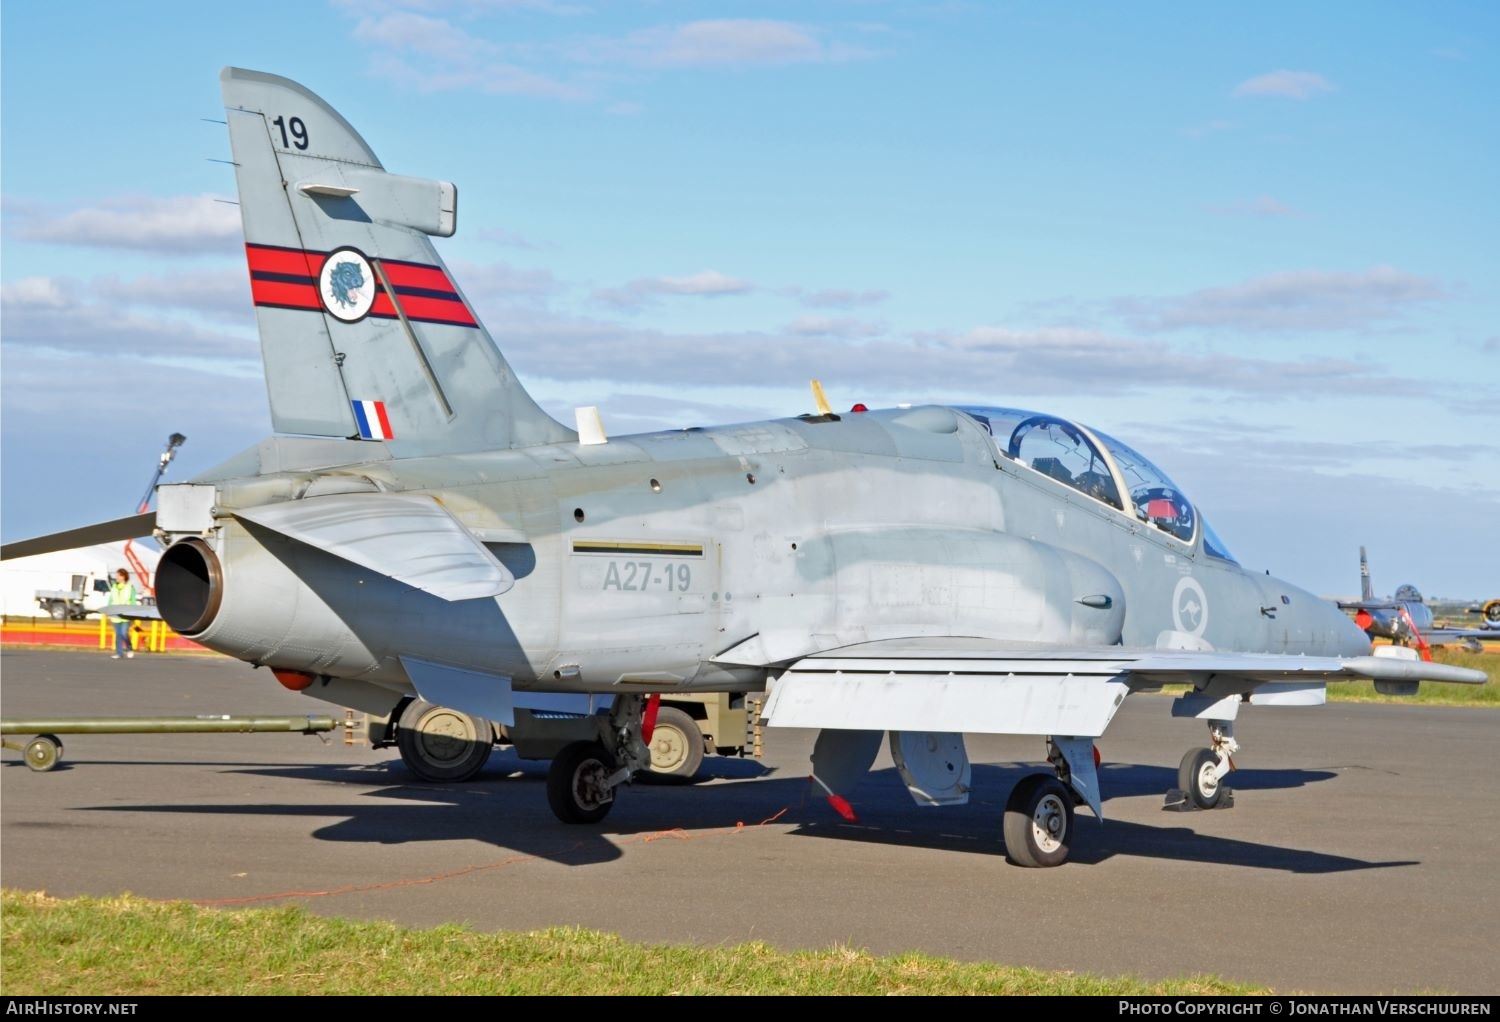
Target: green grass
{"points": [[127, 945], [1434, 692]]}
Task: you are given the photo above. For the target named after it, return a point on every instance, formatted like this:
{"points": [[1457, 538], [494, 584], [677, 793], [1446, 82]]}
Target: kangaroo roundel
{"points": [[346, 284]]}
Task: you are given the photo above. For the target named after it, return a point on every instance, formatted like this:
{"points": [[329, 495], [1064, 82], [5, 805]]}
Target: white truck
{"points": [[88, 595]]}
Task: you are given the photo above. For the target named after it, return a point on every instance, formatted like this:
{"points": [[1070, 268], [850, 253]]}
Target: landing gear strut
{"points": [[1200, 776], [582, 779]]}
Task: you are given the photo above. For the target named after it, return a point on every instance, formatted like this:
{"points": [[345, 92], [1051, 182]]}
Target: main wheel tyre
{"points": [[1198, 777], [577, 783], [57, 611], [1039, 822], [442, 744], [676, 745], [43, 752]]}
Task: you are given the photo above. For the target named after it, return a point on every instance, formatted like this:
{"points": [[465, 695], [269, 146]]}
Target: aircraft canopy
{"points": [[1099, 466]]}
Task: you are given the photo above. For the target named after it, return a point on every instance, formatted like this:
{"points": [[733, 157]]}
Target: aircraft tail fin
{"points": [[1366, 590], [363, 332]]}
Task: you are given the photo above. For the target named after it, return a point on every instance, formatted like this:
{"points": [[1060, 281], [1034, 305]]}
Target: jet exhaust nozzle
{"points": [[189, 586]]}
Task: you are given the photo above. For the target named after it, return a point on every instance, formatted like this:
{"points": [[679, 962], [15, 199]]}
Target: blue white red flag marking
{"points": [[287, 278], [372, 420]]}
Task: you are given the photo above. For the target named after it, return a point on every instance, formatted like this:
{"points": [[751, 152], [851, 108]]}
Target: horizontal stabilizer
{"points": [[134, 527], [411, 539], [132, 611]]}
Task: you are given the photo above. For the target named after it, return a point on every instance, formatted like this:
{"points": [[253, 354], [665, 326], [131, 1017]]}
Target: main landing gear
{"points": [[1038, 821], [442, 745], [583, 777], [1200, 776]]}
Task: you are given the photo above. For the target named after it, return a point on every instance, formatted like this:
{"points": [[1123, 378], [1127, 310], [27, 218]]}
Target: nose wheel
{"points": [[1201, 774], [1039, 822], [1198, 779], [583, 777]]}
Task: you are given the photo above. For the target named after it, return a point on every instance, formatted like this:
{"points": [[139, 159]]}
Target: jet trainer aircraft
{"points": [[1405, 618], [427, 538]]}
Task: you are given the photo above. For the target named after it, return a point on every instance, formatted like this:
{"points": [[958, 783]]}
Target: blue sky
{"points": [[1258, 244]]}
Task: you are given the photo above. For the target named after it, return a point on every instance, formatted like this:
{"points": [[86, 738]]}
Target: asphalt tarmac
{"points": [[1360, 856]]}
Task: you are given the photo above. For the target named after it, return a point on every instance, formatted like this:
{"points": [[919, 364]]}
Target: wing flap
{"points": [[412, 539], [1047, 691], [972, 703]]}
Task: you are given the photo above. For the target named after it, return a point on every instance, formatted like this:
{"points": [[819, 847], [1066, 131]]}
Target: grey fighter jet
{"points": [[424, 536]]}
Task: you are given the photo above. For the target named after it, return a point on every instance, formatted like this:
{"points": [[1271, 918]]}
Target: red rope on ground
{"points": [[639, 839]]}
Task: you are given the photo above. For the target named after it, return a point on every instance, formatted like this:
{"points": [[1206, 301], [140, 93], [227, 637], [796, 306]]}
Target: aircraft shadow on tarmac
{"points": [[507, 807]]}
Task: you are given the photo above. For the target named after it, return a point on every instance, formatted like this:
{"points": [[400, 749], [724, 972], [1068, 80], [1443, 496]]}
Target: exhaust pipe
{"points": [[189, 586]]}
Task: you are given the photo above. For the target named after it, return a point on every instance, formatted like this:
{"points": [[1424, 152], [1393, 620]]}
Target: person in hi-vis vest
{"points": [[122, 592]]}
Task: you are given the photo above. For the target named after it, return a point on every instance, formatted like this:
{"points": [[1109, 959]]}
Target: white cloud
{"points": [[33, 293], [726, 42], [835, 298], [705, 283], [179, 225], [1295, 300], [434, 55], [486, 280], [833, 326], [222, 294], [139, 318], [439, 45], [1285, 85], [990, 360]]}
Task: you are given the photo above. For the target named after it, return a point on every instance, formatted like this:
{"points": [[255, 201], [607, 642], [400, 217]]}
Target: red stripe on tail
{"points": [[413, 275], [436, 310], [275, 292], [280, 260]]}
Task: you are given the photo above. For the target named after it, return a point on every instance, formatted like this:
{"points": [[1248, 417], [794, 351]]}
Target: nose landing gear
{"points": [[583, 777], [1200, 776]]}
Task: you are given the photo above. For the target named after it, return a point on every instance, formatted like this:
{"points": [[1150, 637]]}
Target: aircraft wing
{"points": [[134, 527], [1440, 636], [1046, 690]]}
